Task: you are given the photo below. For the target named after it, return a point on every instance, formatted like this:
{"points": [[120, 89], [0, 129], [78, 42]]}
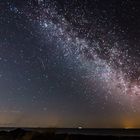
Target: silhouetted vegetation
{"points": [[20, 134]]}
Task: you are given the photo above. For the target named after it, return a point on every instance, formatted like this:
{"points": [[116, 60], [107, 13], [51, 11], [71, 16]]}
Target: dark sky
{"points": [[70, 63]]}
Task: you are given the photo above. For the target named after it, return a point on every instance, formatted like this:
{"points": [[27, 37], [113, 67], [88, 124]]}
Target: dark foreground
{"points": [[50, 134]]}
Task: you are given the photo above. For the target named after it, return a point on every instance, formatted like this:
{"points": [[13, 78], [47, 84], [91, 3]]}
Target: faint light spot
{"points": [[45, 25]]}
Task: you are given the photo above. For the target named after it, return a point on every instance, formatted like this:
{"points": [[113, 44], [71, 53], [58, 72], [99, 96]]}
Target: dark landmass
{"points": [[52, 134]]}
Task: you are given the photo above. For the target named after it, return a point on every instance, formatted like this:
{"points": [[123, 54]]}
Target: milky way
{"points": [[110, 67], [63, 60]]}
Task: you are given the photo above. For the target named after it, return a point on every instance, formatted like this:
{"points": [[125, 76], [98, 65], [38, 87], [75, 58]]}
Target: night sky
{"points": [[70, 63]]}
